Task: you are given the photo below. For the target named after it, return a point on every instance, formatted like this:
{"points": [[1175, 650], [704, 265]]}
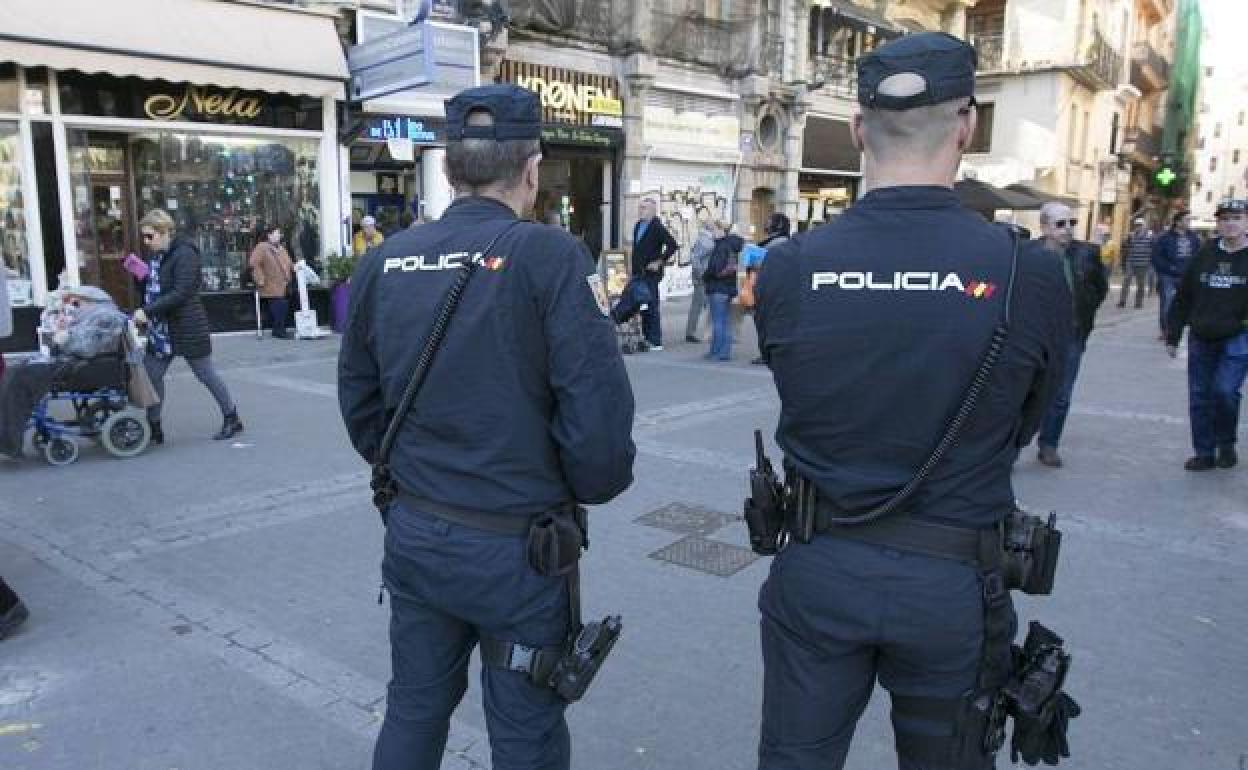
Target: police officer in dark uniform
{"points": [[526, 408], [873, 326]]}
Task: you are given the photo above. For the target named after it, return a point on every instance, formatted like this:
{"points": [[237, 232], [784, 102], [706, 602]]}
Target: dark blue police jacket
{"points": [[874, 325], [527, 404]]}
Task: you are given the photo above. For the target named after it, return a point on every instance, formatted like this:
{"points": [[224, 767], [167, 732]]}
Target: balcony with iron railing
{"points": [[728, 45], [594, 21], [1098, 66], [1142, 146], [1149, 69], [835, 75]]}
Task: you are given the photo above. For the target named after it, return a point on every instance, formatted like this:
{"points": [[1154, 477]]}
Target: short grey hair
{"points": [[475, 163], [916, 132]]}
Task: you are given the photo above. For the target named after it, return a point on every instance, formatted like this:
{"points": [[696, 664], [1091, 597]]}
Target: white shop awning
{"points": [[207, 42]]}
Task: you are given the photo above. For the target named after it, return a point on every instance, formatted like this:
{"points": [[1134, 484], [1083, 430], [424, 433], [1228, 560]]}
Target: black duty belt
{"points": [[971, 546], [498, 523]]}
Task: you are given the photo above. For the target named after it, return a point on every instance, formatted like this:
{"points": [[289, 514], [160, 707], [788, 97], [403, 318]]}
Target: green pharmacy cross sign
{"points": [[1166, 176]]}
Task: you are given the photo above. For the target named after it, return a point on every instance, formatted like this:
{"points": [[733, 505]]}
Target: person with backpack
{"points": [[720, 280]]}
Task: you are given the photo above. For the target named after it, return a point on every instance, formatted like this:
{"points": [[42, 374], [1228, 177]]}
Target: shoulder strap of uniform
{"points": [[996, 346], [383, 484]]}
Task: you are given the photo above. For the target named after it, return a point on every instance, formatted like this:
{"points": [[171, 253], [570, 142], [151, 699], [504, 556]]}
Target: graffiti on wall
{"points": [[688, 202]]}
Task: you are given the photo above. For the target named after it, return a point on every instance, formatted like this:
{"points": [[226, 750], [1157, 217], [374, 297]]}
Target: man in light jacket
{"points": [[699, 255]]}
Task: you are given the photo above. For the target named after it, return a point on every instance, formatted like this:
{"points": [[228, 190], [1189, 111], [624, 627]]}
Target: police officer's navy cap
{"points": [[945, 64], [1231, 204], [517, 113]]}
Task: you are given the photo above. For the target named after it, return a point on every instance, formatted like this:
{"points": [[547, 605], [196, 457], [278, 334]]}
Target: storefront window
{"points": [[37, 91], [8, 88], [218, 188], [14, 245]]}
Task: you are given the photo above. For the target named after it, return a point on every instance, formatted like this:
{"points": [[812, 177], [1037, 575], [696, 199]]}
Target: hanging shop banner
{"points": [[688, 196], [569, 97]]}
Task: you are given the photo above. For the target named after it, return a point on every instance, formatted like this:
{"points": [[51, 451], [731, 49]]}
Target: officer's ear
{"points": [[855, 132], [966, 127], [532, 173]]}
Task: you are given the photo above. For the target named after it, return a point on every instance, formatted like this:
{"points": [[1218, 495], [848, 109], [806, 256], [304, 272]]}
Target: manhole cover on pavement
{"points": [[685, 519], [709, 556]]}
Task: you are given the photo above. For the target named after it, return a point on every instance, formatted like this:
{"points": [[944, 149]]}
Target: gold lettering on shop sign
{"points": [[566, 97], [203, 103]]}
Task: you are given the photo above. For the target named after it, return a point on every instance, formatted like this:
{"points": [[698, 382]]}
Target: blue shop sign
{"points": [[419, 130]]}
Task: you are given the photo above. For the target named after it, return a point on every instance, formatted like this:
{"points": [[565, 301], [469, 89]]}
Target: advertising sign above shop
{"points": [[416, 130], [584, 136], [569, 97], [695, 135], [114, 97]]}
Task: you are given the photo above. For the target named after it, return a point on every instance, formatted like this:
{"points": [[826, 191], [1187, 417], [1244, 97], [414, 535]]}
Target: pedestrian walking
{"points": [[653, 246], [272, 271], [1170, 257], [1137, 258], [872, 326], [699, 256], [175, 321], [720, 279], [1088, 283], [525, 414], [1212, 299]]}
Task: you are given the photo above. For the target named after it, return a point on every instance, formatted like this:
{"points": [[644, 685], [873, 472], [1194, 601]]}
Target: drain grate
{"points": [[685, 519], [709, 556]]}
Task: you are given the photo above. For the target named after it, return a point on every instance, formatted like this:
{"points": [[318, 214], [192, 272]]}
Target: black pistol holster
{"points": [[555, 542]]}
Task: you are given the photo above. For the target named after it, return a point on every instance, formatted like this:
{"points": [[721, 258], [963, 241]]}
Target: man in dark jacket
{"points": [[653, 246], [1212, 298], [1170, 257], [1089, 284], [720, 279], [175, 321], [526, 412]]}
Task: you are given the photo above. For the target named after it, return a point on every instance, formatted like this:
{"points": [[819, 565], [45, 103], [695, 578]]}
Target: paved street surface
{"points": [[213, 606]]}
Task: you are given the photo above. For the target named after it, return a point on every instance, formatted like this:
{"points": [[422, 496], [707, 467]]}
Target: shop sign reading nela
{"points": [[203, 103]]}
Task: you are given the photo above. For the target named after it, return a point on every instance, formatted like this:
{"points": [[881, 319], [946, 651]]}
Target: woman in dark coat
{"points": [[176, 322]]}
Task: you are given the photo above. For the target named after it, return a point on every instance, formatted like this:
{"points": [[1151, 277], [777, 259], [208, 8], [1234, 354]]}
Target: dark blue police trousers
{"points": [[448, 585], [837, 614]]}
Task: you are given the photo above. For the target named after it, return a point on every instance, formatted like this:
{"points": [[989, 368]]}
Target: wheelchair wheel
{"points": [[60, 451], [125, 434]]}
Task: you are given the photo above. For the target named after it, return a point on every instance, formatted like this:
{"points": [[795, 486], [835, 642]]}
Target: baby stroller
{"points": [[96, 390]]}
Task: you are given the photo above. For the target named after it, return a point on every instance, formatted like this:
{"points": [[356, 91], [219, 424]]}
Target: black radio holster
{"points": [[765, 509], [554, 545], [1032, 546]]}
